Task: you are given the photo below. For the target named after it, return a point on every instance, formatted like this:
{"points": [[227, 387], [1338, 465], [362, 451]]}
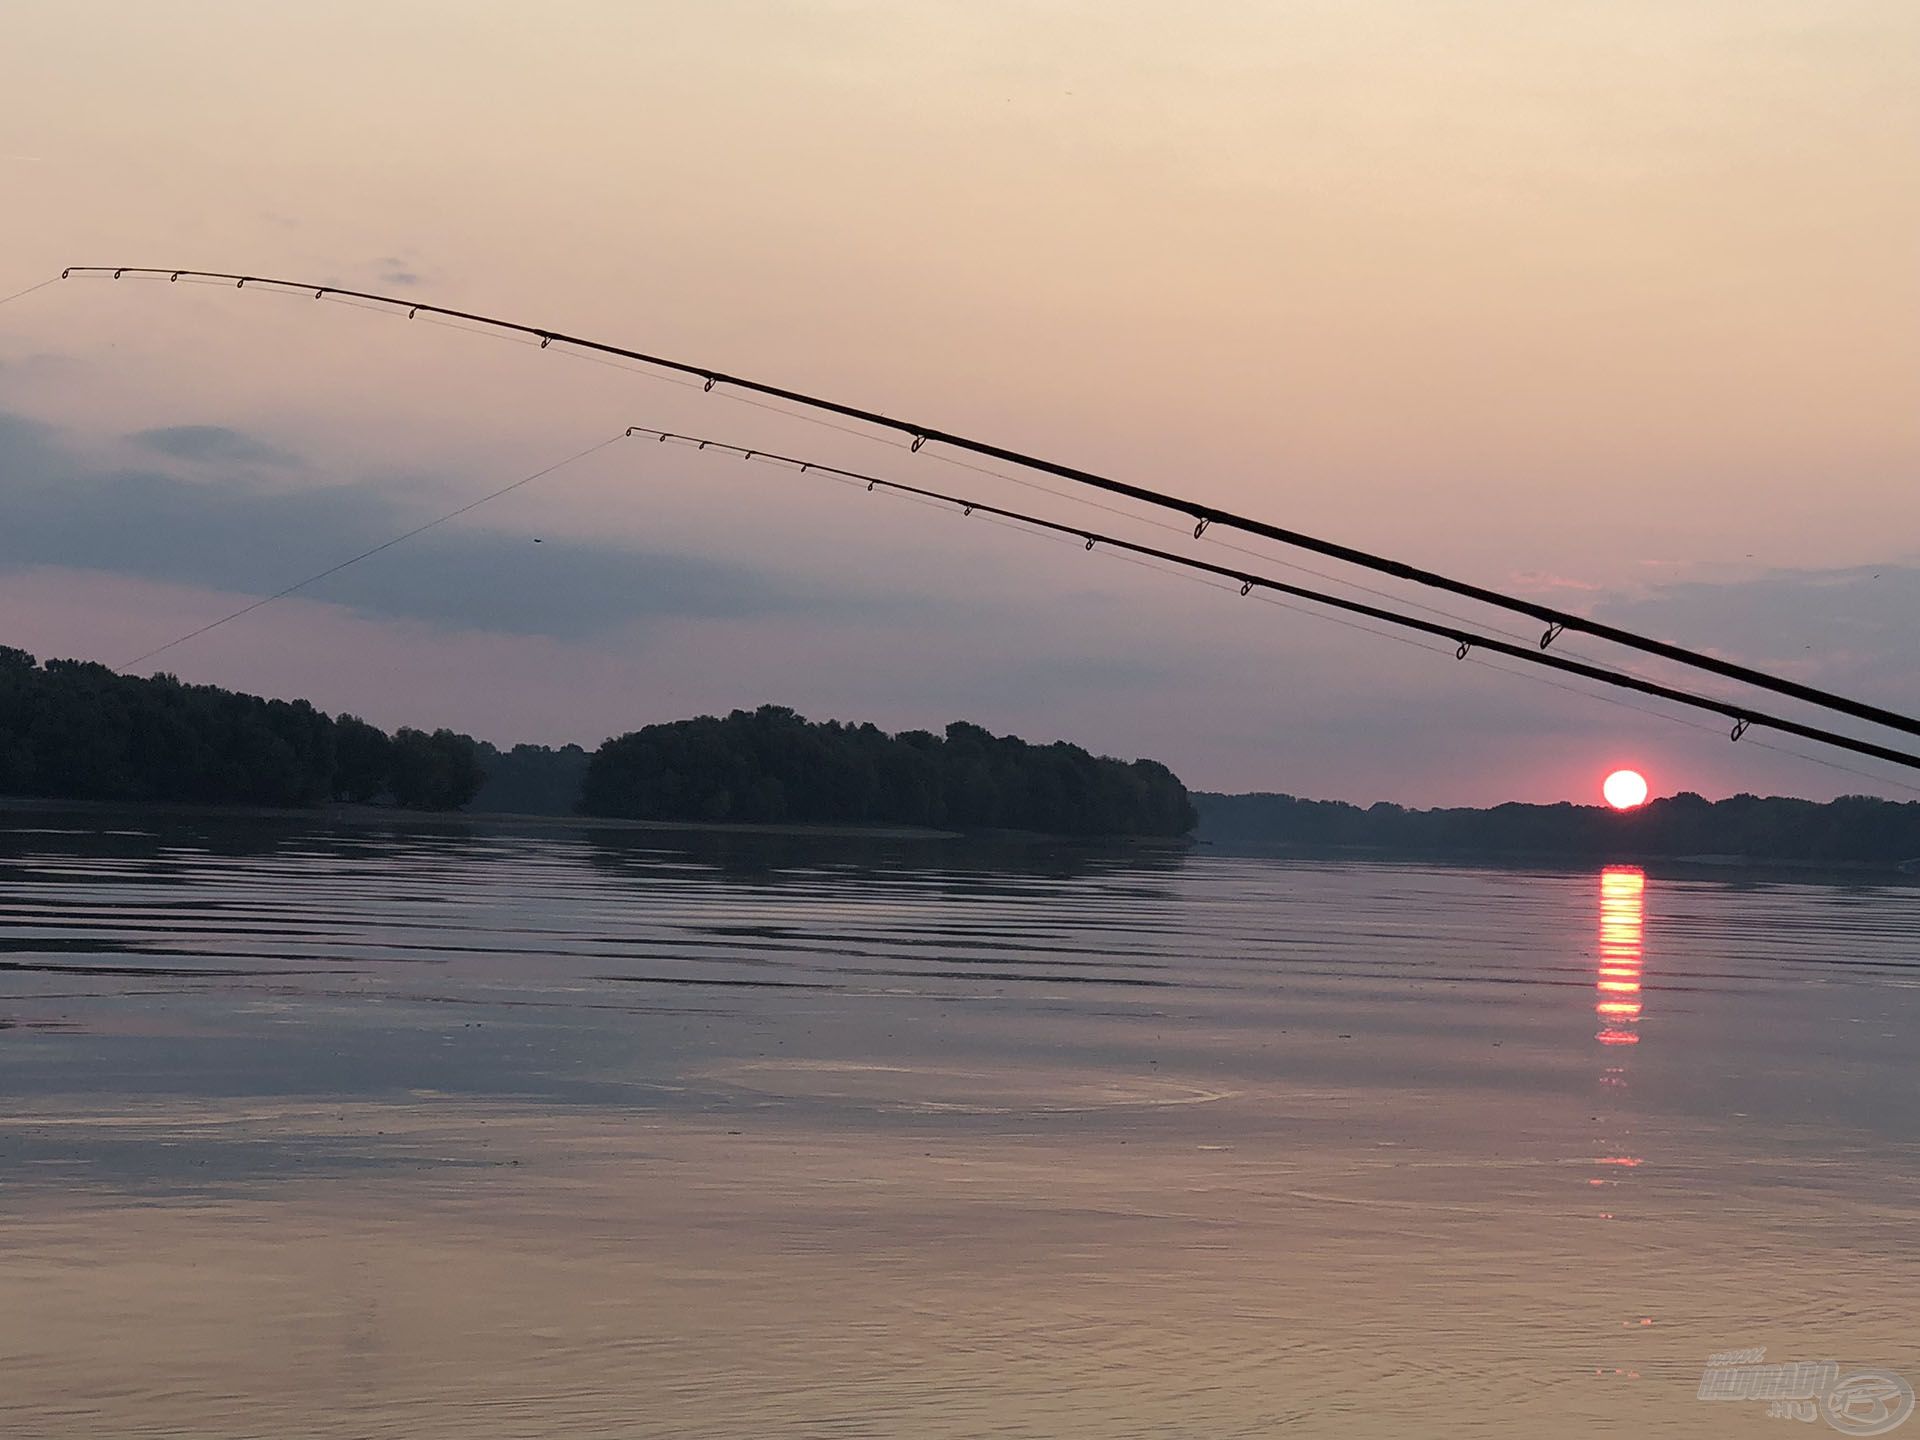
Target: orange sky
{"points": [[1611, 303]]}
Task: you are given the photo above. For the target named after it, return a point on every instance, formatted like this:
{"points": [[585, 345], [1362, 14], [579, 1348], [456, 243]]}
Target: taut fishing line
{"points": [[368, 553]]}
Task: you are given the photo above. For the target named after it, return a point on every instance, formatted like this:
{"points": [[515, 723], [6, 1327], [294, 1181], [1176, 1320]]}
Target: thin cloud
{"points": [[393, 270], [1542, 580], [1851, 625], [209, 445], [228, 536]]}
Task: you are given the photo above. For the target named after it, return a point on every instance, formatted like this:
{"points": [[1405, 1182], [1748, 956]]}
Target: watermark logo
{"points": [[1854, 1402]]}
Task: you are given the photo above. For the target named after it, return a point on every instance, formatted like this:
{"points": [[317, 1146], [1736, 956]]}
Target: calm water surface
{"points": [[356, 1132]]}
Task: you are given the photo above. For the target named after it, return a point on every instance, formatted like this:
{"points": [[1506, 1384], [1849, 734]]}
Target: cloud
{"points": [[1543, 580], [209, 445], [55, 511], [395, 271], [38, 364], [1848, 630], [1851, 627]]}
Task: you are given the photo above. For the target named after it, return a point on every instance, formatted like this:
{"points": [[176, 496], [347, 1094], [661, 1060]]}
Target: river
{"points": [[326, 1130]]}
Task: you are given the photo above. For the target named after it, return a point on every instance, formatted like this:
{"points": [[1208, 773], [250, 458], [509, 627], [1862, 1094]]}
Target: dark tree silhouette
{"points": [[771, 765], [440, 771], [362, 756], [74, 730]]}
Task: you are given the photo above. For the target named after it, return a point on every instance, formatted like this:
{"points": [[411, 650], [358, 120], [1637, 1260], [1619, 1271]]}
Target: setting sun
{"points": [[1625, 789]]}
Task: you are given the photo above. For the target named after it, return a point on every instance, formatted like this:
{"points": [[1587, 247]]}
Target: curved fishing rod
{"points": [[1464, 640], [1555, 620]]}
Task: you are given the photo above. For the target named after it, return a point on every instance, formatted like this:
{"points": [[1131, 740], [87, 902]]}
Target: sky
{"points": [[1610, 304]]}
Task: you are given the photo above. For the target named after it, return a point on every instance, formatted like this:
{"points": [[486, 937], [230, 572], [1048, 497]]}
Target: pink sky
{"points": [[1610, 304]]}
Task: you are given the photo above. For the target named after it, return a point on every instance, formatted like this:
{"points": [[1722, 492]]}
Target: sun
{"points": [[1625, 789]]}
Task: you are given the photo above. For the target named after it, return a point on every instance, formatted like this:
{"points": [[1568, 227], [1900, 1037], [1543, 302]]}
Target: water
{"points": [[469, 1132]]}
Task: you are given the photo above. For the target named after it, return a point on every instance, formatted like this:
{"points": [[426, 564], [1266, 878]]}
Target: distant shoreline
{"points": [[389, 815], [457, 819], [1858, 833]]}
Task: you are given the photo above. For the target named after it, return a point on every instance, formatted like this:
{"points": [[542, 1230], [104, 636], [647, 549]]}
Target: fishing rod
{"points": [[1557, 621], [1464, 640]]}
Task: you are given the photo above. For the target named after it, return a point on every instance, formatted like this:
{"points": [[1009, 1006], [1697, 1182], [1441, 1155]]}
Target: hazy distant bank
{"points": [[1855, 830]]}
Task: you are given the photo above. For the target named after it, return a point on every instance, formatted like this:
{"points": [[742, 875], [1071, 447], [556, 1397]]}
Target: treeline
{"points": [[1853, 830], [74, 730], [770, 766]]}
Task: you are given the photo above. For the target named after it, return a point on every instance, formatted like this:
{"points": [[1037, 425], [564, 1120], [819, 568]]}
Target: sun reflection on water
{"points": [[1623, 890], [1622, 923]]}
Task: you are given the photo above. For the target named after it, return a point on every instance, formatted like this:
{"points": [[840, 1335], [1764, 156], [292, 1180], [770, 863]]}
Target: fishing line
{"points": [[21, 294], [366, 554], [1203, 515]]}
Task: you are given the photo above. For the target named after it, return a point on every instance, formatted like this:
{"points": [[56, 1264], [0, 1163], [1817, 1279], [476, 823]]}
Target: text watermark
{"points": [[1855, 1401]]}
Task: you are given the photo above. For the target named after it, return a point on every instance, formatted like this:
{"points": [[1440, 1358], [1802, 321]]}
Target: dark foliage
{"points": [[361, 754], [770, 766], [75, 730], [532, 780], [1853, 829], [440, 771]]}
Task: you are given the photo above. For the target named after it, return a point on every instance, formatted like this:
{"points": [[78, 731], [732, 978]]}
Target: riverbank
{"points": [[394, 818]]}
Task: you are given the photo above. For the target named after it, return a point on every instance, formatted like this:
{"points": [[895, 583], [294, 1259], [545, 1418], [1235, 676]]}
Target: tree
{"points": [[440, 771], [362, 757], [75, 730], [770, 765]]}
